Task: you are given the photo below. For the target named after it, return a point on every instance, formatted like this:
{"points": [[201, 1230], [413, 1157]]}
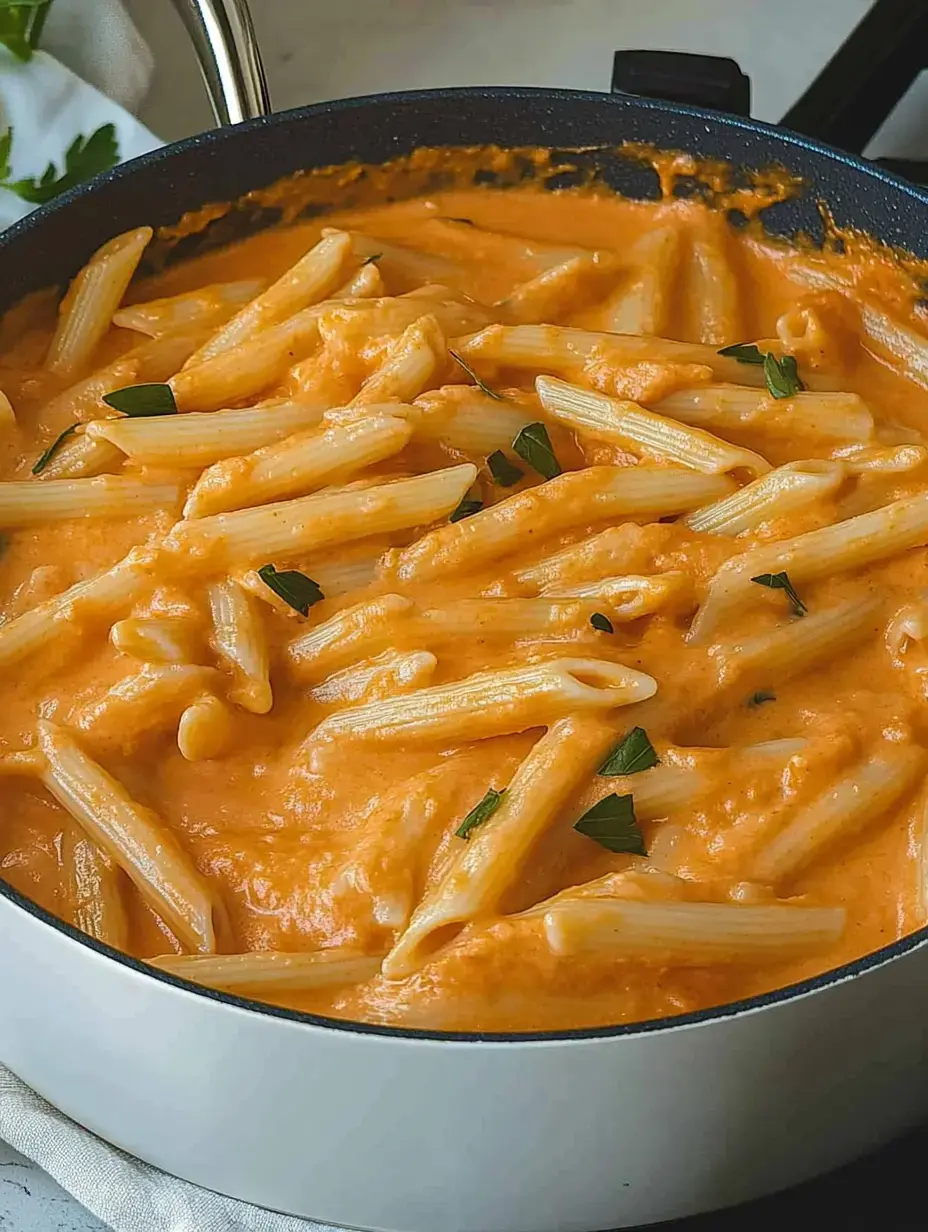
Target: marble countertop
{"points": [[316, 50]]}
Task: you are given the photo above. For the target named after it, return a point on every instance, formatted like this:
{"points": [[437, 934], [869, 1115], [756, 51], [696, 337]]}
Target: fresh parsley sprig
{"points": [[295, 588], [143, 401], [631, 755], [481, 385], [780, 581], [612, 824], [21, 23], [534, 446], [480, 812], [85, 157], [53, 448]]}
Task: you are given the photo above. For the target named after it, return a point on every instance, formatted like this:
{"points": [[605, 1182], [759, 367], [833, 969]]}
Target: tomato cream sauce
{"points": [[307, 856]]}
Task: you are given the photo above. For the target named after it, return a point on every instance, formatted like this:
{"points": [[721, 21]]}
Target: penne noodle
{"points": [[298, 464], [726, 408], [133, 837], [205, 730], [714, 289], [82, 458], [398, 261], [562, 288], [366, 283], [409, 367], [778, 493], [83, 401], [679, 933], [268, 971], [95, 890], [861, 797], [157, 639], [881, 460], [149, 700], [354, 633], [643, 432], [572, 499], [336, 577], [307, 282], [792, 649], [106, 496], [92, 298], [295, 527], [845, 545], [491, 859], [461, 417], [629, 597], [388, 675], [205, 307], [78, 609], [620, 549], [492, 703], [244, 371], [643, 305], [197, 440], [240, 640], [556, 348]]}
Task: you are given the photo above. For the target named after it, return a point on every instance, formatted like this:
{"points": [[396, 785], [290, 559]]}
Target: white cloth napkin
{"points": [[48, 104]]}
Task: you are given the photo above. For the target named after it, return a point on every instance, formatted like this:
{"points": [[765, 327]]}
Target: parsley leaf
{"points": [[143, 401], [631, 755], [744, 352], [481, 385], [85, 157], [504, 472], [21, 23], [466, 509], [602, 623], [780, 581], [53, 448], [613, 825], [373, 259], [480, 812], [534, 445], [295, 588], [782, 375], [761, 696]]}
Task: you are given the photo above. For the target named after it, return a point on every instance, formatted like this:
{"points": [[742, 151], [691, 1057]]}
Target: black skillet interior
{"points": [[221, 166]]}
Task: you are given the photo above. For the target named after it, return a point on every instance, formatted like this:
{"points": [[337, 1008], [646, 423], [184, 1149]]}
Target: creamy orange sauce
{"points": [[272, 837]]}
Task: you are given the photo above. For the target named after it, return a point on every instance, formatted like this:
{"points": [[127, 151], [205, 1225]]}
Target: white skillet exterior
{"points": [[384, 1131]]}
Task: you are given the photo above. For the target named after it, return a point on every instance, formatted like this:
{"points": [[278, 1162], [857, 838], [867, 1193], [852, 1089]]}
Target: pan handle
{"points": [[223, 36]]}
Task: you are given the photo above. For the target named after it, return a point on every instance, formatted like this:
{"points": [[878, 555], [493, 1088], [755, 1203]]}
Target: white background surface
{"points": [[318, 49]]}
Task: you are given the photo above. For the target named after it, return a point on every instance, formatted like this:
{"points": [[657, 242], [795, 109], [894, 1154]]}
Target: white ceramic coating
{"points": [[421, 1135]]}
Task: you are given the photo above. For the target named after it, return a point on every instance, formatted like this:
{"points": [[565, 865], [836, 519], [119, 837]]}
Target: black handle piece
{"points": [[714, 82]]}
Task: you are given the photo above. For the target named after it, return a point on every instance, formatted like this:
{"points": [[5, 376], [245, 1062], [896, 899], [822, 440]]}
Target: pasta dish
{"points": [[498, 610]]}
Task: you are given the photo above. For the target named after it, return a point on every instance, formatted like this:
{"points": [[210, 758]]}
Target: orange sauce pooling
{"points": [[274, 838]]}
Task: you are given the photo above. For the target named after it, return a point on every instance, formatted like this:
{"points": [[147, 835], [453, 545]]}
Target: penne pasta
{"points": [[629, 597], [296, 464], [205, 730], [336, 577], [240, 640], [860, 798], [133, 837], [483, 869], [774, 495], [197, 440], [388, 675], [106, 496], [93, 297], [95, 890], [492, 703], [620, 549], [845, 545], [410, 366], [461, 417], [158, 639], [270, 972], [207, 306], [643, 432], [398, 261], [728, 408], [642, 305], [82, 458], [572, 499], [305, 283], [83, 401], [365, 283], [558, 290], [354, 633], [150, 700], [714, 287], [298, 526], [690, 933]]}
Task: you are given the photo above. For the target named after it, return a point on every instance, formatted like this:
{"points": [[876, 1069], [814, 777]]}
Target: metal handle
{"points": [[223, 36]]}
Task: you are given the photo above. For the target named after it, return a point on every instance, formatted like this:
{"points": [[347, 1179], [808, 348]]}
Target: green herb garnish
{"points": [[631, 755], [466, 509], [21, 23], [782, 375], [84, 157], [372, 260], [143, 401], [602, 623], [481, 385], [761, 696], [53, 448], [744, 352], [780, 581], [534, 445], [480, 812], [504, 472], [613, 825], [295, 588]]}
